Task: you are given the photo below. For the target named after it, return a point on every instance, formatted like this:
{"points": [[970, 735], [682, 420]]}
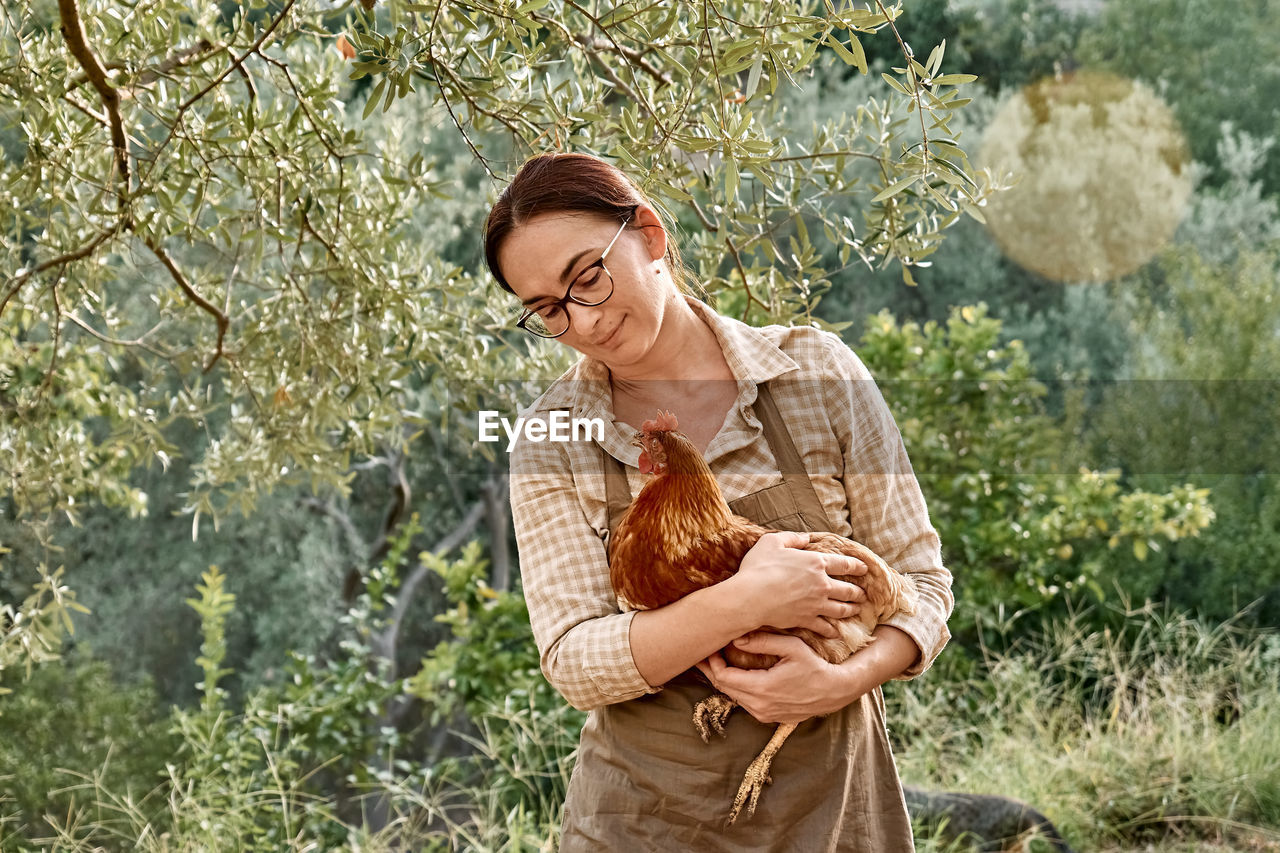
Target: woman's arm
{"points": [[887, 511], [583, 641]]}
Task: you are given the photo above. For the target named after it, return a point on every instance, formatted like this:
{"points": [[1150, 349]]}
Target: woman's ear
{"points": [[655, 236]]}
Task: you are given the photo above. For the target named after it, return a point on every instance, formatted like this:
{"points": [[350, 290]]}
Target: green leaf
{"points": [[859, 55], [954, 79], [893, 81], [935, 58], [753, 78], [372, 102], [391, 96], [855, 56], [730, 179], [895, 188]]}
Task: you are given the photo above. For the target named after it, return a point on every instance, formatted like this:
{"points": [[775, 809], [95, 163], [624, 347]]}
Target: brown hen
{"points": [[679, 535]]}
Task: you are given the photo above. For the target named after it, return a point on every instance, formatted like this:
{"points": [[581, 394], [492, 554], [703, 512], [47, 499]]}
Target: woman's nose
{"points": [[584, 319]]}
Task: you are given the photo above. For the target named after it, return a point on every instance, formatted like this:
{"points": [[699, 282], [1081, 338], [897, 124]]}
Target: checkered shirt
{"points": [[846, 437]]}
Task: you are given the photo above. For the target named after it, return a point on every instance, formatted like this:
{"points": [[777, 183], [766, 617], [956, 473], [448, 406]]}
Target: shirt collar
{"points": [[751, 355]]}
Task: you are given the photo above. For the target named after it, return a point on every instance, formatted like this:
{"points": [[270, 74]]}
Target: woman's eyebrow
{"points": [[564, 276], [573, 262]]}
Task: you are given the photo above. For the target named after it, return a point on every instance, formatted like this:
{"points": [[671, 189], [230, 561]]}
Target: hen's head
{"points": [[654, 440]]}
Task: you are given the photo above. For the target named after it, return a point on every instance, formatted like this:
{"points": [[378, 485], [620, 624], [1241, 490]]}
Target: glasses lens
{"points": [[550, 322], [594, 287]]}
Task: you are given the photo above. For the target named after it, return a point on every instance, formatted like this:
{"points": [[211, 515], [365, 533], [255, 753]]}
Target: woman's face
{"points": [[544, 255]]}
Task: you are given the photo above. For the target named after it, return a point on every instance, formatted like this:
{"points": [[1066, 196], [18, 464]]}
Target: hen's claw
{"points": [[757, 776], [712, 713]]}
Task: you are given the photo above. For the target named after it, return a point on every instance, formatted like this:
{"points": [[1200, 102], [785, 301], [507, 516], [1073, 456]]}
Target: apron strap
{"points": [[617, 492], [792, 504], [794, 499]]}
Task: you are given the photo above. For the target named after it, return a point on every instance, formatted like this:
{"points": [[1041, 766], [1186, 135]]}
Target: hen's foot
{"points": [[753, 783], [712, 713]]}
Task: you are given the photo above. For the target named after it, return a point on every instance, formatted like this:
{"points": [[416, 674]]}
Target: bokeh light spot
{"points": [[1103, 175]]}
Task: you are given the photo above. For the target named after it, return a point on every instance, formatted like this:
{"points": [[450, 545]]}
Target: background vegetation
{"points": [[245, 325]]}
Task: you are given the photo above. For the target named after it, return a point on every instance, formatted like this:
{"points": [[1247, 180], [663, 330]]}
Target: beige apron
{"points": [[644, 780]]}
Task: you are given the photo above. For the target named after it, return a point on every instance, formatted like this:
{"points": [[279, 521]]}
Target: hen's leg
{"points": [[757, 775], [711, 713]]}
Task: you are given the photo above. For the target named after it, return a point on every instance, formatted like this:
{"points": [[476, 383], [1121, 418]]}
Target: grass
{"points": [[1157, 734], [1159, 731]]}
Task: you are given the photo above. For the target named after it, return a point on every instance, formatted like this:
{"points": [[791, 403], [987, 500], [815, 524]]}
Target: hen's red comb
{"points": [[665, 422]]}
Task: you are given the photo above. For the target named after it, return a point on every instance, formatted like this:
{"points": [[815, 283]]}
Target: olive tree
{"points": [[211, 231]]}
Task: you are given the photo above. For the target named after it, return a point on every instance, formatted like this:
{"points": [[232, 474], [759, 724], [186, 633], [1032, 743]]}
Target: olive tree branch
{"points": [[591, 46], [154, 72], [306, 109], [438, 67], [66, 258], [237, 61], [208, 307], [702, 217], [715, 63], [915, 84], [201, 50], [57, 339], [97, 117], [235, 65], [140, 341], [73, 33], [822, 155], [385, 642], [746, 287], [634, 58]]}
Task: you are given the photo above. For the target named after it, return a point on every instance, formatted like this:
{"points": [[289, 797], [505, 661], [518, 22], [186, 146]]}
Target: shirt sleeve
{"points": [[583, 640], [886, 507]]}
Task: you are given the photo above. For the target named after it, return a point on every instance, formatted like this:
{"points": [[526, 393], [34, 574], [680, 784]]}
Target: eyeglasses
{"points": [[593, 286]]}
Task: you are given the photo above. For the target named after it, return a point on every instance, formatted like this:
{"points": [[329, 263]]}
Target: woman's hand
{"points": [[799, 686], [782, 586]]}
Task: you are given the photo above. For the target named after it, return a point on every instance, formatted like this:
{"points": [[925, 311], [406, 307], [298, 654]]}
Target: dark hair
{"points": [[567, 183]]}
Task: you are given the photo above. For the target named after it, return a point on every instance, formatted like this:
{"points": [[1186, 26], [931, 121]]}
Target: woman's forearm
{"points": [[892, 654], [667, 641]]}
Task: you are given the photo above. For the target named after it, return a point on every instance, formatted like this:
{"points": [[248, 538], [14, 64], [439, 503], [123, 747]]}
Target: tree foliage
{"points": [[207, 239], [1200, 403], [1226, 72], [1022, 520]]}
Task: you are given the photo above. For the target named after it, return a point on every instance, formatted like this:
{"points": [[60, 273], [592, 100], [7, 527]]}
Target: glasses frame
{"points": [[564, 301]]}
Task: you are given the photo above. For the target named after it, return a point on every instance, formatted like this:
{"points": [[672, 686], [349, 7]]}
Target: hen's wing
{"points": [[888, 590]]}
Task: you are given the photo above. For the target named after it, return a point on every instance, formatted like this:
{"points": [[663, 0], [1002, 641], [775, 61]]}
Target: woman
{"points": [[591, 260]]}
